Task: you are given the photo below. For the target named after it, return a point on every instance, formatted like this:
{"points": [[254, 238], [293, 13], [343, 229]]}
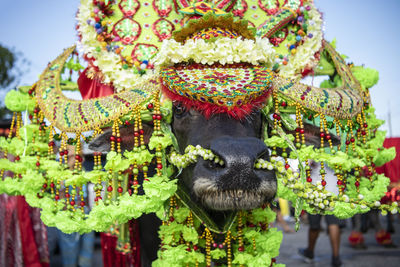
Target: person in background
{"points": [[382, 237], [280, 220], [315, 221], [76, 249]]}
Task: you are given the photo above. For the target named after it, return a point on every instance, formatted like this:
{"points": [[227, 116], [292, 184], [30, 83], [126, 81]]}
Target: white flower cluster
{"points": [[304, 56], [190, 156], [107, 61], [223, 50], [315, 196], [321, 200], [263, 164], [192, 152]]}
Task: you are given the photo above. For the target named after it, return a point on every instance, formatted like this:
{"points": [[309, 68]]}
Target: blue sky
{"points": [[366, 31]]}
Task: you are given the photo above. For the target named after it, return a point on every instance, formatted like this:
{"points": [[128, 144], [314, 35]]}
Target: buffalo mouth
{"points": [[216, 198]]}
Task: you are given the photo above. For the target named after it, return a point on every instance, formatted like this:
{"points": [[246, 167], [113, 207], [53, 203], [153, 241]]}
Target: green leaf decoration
{"points": [[165, 141], [218, 254], [181, 214], [166, 129], [278, 141], [190, 235], [160, 187], [366, 76], [263, 215], [18, 101], [289, 123], [144, 156], [115, 162], [384, 155]]}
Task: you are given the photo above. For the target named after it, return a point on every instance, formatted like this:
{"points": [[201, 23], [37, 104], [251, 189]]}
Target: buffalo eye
{"points": [[179, 109]]}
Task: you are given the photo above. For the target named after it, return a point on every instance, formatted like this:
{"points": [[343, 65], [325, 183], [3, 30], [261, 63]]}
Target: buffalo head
{"points": [[234, 184]]}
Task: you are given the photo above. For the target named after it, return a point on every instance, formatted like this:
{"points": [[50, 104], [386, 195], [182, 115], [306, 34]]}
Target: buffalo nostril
{"points": [[263, 155], [211, 164], [214, 164]]}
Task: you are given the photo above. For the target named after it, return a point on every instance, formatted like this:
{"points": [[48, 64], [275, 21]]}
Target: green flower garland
{"points": [[35, 172], [315, 197], [157, 189], [183, 243]]}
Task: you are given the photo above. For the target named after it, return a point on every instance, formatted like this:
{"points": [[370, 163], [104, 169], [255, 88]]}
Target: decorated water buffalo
{"points": [[196, 117]]}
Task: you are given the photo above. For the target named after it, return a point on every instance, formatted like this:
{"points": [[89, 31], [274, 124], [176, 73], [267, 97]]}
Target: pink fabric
{"points": [[40, 232]]}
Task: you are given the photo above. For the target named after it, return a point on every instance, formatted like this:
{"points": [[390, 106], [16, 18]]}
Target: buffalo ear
{"points": [[102, 142], [313, 137]]}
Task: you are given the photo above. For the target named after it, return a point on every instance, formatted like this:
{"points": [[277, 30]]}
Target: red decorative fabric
{"points": [[40, 232], [10, 241], [208, 109], [135, 242], [108, 246], [29, 248], [391, 195], [123, 259], [392, 168], [23, 239], [92, 88], [114, 258]]}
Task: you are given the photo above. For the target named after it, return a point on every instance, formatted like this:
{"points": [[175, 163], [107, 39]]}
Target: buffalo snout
{"points": [[236, 183]]}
